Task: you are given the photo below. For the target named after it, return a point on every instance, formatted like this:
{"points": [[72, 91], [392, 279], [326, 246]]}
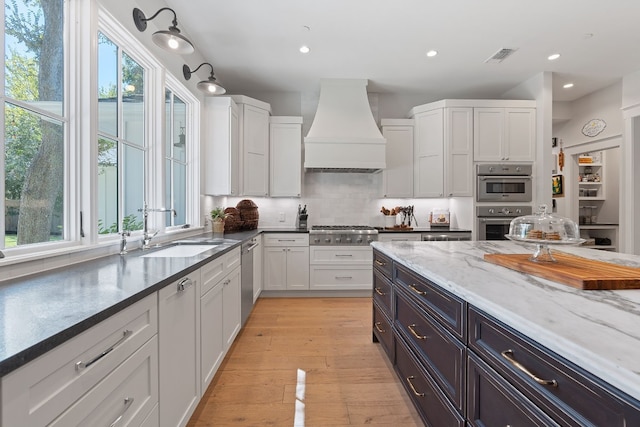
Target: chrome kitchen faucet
{"points": [[146, 238]]}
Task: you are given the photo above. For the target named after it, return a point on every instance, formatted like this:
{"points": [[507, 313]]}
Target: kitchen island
{"points": [[594, 331]]}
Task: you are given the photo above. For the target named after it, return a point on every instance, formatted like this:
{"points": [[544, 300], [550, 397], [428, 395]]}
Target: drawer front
{"points": [[41, 390], [286, 239], [326, 277], [444, 355], [433, 406], [211, 274], [215, 270], [448, 309], [382, 292], [572, 397], [339, 256], [399, 237], [124, 398], [492, 401], [383, 263], [382, 330], [231, 260]]}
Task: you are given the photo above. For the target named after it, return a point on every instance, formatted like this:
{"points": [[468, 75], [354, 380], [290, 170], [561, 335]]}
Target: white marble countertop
{"points": [[597, 330]]}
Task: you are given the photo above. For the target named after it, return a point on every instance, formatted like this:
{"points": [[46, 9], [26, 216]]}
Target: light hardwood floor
{"points": [[306, 362]]}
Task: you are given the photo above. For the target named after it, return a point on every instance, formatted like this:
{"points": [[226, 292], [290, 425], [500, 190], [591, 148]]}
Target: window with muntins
{"points": [[121, 139], [33, 169]]}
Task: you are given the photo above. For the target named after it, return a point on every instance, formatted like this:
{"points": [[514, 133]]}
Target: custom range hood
{"points": [[343, 136]]}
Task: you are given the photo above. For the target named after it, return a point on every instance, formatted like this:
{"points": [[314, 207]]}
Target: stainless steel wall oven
{"points": [[492, 222], [504, 183]]}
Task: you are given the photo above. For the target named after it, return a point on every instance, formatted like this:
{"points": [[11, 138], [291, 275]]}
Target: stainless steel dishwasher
{"points": [[246, 275]]}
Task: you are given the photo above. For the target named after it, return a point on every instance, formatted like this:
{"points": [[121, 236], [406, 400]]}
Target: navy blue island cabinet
{"points": [[460, 366]]}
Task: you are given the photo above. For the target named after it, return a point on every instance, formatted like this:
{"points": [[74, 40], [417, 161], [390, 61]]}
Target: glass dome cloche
{"points": [[544, 229]]}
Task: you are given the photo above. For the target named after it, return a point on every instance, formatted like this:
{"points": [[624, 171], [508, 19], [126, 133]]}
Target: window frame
{"points": [[83, 21], [157, 79], [192, 152], [70, 233]]}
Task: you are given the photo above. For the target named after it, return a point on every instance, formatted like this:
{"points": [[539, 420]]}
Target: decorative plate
{"points": [[593, 127]]}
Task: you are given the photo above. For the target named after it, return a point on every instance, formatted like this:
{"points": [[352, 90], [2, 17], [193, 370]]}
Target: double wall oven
{"points": [[502, 194]]}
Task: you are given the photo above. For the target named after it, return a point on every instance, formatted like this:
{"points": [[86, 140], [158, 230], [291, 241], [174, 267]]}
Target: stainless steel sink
{"points": [[180, 251], [205, 241]]}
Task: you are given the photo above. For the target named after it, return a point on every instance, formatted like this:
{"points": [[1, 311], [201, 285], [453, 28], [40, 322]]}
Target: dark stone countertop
{"points": [[42, 311], [424, 230]]}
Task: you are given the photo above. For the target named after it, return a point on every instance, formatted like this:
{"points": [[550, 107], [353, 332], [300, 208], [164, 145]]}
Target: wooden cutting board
{"points": [[581, 273]]}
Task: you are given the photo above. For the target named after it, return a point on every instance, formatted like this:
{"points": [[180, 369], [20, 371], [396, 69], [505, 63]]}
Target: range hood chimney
{"points": [[344, 136]]}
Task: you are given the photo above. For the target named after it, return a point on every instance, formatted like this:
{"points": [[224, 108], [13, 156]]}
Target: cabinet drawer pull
{"points": [[380, 263], [379, 292], [413, 389], [377, 325], [508, 354], [415, 334], [286, 240], [127, 403], [416, 290], [125, 334], [184, 284], [344, 255], [344, 277]]}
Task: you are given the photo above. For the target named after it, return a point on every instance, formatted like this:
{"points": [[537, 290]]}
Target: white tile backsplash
{"points": [[345, 199]]}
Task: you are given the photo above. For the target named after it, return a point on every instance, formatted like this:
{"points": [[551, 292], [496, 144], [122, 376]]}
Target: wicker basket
{"points": [[248, 213], [233, 221]]}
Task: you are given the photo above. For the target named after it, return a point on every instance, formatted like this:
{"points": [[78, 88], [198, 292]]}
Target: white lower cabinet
{"points": [[219, 312], [97, 362], [340, 268], [286, 262], [179, 349], [286, 268], [146, 366], [124, 398], [231, 320]]}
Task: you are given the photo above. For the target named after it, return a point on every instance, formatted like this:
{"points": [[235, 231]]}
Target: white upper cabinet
{"points": [[397, 177], [458, 152], [443, 151], [504, 134], [221, 164], [285, 163], [236, 146], [428, 167], [254, 139]]}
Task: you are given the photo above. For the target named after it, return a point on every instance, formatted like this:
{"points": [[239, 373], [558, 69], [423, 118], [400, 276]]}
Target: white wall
{"points": [[603, 104]]}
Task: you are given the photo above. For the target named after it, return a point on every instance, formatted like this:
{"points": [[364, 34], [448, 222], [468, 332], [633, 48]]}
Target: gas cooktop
{"points": [[342, 235]]}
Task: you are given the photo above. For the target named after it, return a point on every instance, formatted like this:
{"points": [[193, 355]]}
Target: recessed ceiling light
{"points": [[553, 57], [305, 49], [432, 53], [568, 85]]}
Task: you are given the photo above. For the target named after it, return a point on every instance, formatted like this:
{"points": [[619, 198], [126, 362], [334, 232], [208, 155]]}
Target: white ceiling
{"points": [[253, 44]]}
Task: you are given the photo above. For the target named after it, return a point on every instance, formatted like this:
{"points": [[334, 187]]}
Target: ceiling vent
{"points": [[500, 56]]}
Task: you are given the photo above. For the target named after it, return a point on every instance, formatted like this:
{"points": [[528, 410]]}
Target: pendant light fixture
{"points": [[170, 39], [209, 86]]}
